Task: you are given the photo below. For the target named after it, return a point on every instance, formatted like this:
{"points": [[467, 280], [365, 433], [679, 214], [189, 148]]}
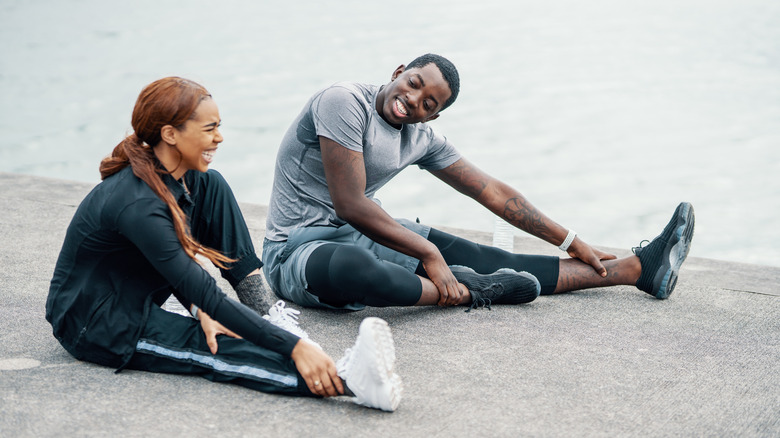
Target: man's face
{"points": [[414, 95]]}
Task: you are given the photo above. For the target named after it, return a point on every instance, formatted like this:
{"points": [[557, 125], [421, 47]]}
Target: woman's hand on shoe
{"points": [[317, 369]]}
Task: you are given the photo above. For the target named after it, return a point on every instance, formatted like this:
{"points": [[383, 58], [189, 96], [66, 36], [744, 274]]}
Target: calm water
{"points": [[604, 113]]}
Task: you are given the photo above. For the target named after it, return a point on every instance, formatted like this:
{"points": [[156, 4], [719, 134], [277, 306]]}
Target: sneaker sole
{"points": [[378, 331], [678, 249]]}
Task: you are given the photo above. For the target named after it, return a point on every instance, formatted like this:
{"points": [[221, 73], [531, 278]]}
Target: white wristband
{"points": [[194, 311], [568, 240]]}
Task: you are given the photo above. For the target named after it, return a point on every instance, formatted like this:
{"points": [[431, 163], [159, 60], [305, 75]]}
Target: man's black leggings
{"points": [[340, 274]]}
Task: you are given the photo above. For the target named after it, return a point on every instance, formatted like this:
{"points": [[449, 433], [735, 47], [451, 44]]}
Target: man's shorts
{"points": [[285, 262]]}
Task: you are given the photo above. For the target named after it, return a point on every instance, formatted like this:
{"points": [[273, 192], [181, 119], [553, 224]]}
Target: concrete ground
{"points": [[602, 362]]}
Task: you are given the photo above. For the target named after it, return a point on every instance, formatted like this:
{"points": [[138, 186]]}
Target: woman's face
{"points": [[198, 139]]}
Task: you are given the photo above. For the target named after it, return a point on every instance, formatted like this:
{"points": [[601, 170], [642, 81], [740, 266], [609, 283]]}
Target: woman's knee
{"points": [[209, 186]]}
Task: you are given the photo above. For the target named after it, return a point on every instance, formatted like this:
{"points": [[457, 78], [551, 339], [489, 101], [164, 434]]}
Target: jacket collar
{"points": [[178, 189]]}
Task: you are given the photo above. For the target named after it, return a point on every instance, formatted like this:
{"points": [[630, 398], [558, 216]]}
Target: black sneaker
{"points": [[505, 286], [662, 258]]}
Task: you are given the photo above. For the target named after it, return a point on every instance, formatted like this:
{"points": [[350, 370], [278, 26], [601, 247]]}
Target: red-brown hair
{"points": [[168, 101]]}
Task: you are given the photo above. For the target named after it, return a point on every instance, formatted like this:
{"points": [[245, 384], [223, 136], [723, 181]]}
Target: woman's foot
{"points": [[253, 293], [287, 318], [368, 367]]}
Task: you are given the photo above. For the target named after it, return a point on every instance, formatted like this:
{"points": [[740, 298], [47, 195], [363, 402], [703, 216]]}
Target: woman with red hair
{"points": [[134, 241]]}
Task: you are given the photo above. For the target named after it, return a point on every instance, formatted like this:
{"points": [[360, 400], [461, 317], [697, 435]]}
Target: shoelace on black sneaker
{"points": [[635, 248], [479, 302]]}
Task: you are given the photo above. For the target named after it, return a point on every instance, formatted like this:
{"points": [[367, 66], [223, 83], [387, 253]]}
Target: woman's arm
{"points": [[147, 224]]}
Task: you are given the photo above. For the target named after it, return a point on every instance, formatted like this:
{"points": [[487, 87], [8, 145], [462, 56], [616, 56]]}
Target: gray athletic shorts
{"points": [[285, 262]]}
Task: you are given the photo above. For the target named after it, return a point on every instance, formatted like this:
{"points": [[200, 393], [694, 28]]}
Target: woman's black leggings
{"points": [[340, 274]]}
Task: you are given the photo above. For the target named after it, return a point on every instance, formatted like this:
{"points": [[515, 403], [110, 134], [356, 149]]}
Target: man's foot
{"points": [[287, 319], [505, 286], [662, 258], [367, 367]]}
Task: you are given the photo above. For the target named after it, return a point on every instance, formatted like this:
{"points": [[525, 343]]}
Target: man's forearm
{"points": [[516, 209], [501, 199], [373, 221]]}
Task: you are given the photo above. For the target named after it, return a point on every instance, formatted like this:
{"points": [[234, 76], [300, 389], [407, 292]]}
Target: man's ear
{"points": [[400, 69], [168, 134], [433, 117]]}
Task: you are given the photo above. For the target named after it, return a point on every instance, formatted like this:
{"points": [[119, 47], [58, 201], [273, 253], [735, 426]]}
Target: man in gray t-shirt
{"points": [[344, 113], [330, 244]]}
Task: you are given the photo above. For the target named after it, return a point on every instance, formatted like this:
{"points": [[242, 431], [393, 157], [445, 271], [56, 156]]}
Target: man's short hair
{"points": [[447, 70]]}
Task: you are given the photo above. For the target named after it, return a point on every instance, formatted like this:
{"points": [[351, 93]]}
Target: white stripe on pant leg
{"points": [[216, 364]]}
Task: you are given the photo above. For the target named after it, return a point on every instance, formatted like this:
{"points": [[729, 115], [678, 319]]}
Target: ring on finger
{"points": [[316, 383]]}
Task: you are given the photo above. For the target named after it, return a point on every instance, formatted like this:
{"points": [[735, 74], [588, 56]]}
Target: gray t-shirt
{"points": [[345, 113]]}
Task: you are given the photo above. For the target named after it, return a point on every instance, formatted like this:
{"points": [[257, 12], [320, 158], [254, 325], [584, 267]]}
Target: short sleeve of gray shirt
{"points": [[346, 114]]}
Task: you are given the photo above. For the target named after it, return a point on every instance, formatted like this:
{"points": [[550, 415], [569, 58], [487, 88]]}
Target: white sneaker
{"points": [[287, 319], [367, 367]]}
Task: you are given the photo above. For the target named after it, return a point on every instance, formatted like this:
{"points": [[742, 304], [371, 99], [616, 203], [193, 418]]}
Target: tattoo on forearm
{"points": [[522, 214], [469, 181]]}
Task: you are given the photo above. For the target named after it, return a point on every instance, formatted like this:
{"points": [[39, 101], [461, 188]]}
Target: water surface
{"points": [[604, 113]]}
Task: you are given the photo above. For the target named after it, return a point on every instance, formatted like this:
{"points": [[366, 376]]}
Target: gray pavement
{"points": [[602, 362]]}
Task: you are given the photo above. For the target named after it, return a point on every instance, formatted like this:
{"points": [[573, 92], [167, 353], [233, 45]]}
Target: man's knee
{"points": [[355, 267]]}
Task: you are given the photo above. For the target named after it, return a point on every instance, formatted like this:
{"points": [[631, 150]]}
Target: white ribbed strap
{"points": [[568, 240]]}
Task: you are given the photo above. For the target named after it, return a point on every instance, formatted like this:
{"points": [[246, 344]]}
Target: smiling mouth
{"points": [[209, 155], [400, 107]]}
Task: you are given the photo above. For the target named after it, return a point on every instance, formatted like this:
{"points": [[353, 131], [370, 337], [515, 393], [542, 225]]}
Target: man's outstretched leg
{"points": [[654, 268]]}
